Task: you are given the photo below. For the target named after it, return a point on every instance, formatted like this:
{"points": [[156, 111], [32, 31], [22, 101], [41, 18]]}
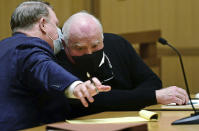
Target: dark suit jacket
{"points": [[133, 86], [31, 84]]}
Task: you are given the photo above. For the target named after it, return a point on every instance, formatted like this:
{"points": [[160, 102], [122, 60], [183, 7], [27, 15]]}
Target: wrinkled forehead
{"points": [[85, 37]]}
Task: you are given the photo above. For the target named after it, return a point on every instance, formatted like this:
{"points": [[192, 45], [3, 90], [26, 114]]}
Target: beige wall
{"points": [[177, 19], [63, 9], [120, 16], [172, 74]]}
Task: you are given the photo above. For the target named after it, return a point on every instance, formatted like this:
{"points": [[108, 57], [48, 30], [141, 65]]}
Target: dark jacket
{"points": [[31, 84], [133, 86]]}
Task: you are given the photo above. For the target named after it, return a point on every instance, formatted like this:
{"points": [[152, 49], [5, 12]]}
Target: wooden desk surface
{"points": [[163, 124]]}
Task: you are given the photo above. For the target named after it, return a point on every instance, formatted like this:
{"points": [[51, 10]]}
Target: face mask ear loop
{"points": [[50, 37]]}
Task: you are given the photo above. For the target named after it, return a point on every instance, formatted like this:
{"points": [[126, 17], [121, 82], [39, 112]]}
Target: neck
{"points": [[33, 32], [36, 32]]}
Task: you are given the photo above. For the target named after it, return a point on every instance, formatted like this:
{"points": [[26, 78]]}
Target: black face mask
{"points": [[105, 72], [89, 62]]}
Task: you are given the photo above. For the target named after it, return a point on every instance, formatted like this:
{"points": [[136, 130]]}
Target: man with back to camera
{"points": [[33, 86], [114, 62]]}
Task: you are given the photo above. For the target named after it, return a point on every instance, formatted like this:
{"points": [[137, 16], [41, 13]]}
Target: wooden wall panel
{"points": [[173, 73], [180, 21], [7, 8], [63, 9], [180, 25], [120, 16]]}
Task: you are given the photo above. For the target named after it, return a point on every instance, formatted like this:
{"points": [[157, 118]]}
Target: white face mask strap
{"points": [[102, 60], [108, 61], [50, 37]]}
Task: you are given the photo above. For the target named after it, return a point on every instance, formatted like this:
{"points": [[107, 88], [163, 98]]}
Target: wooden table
{"points": [[163, 124]]}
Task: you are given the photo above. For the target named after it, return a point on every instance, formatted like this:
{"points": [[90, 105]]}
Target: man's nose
{"points": [[89, 51]]}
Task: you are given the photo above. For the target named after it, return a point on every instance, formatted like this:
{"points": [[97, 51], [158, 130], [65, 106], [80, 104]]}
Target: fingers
{"points": [[86, 94], [82, 99], [87, 90], [181, 97], [81, 92], [176, 99], [172, 94], [93, 90], [104, 88], [182, 91], [96, 81], [181, 94], [100, 87]]}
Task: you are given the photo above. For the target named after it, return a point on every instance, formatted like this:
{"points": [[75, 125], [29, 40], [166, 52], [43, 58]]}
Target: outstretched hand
{"points": [[87, 90]]}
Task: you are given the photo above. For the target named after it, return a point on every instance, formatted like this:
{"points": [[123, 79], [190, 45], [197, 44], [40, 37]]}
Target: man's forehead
{"points": [[84, 27], [78, 35]]}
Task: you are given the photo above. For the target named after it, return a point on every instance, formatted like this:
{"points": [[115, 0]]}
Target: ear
{"points": [[42, 25]]}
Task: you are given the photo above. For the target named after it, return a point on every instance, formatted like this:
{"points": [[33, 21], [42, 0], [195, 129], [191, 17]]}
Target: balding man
{"points": [[114, 62]]}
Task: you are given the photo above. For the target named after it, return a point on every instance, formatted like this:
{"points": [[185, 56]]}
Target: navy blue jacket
{"points": [[31, 84]]}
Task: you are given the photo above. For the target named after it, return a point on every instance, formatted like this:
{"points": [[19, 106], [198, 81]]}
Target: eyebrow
{"points": [[77, 44], [97, 42]]}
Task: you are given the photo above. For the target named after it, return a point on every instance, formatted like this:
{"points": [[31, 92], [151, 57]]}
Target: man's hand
{"points": [[88, 90], [172, 94]]}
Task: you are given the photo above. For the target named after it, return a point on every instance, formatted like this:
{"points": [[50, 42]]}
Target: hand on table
{"points": [[172, 94]]}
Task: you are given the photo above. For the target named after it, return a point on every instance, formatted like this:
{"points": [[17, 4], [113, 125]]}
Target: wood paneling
{"points": [[7, 8], [63, 9], [173, 73], [120, 16], [147, 41], [179, 21]]}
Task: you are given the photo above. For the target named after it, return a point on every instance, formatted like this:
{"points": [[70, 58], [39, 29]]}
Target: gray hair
{"points": [[67, 24], [27, 14]]}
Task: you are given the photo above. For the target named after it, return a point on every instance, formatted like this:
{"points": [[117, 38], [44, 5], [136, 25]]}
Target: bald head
{"points": [[81, 25], [83, 34]]}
